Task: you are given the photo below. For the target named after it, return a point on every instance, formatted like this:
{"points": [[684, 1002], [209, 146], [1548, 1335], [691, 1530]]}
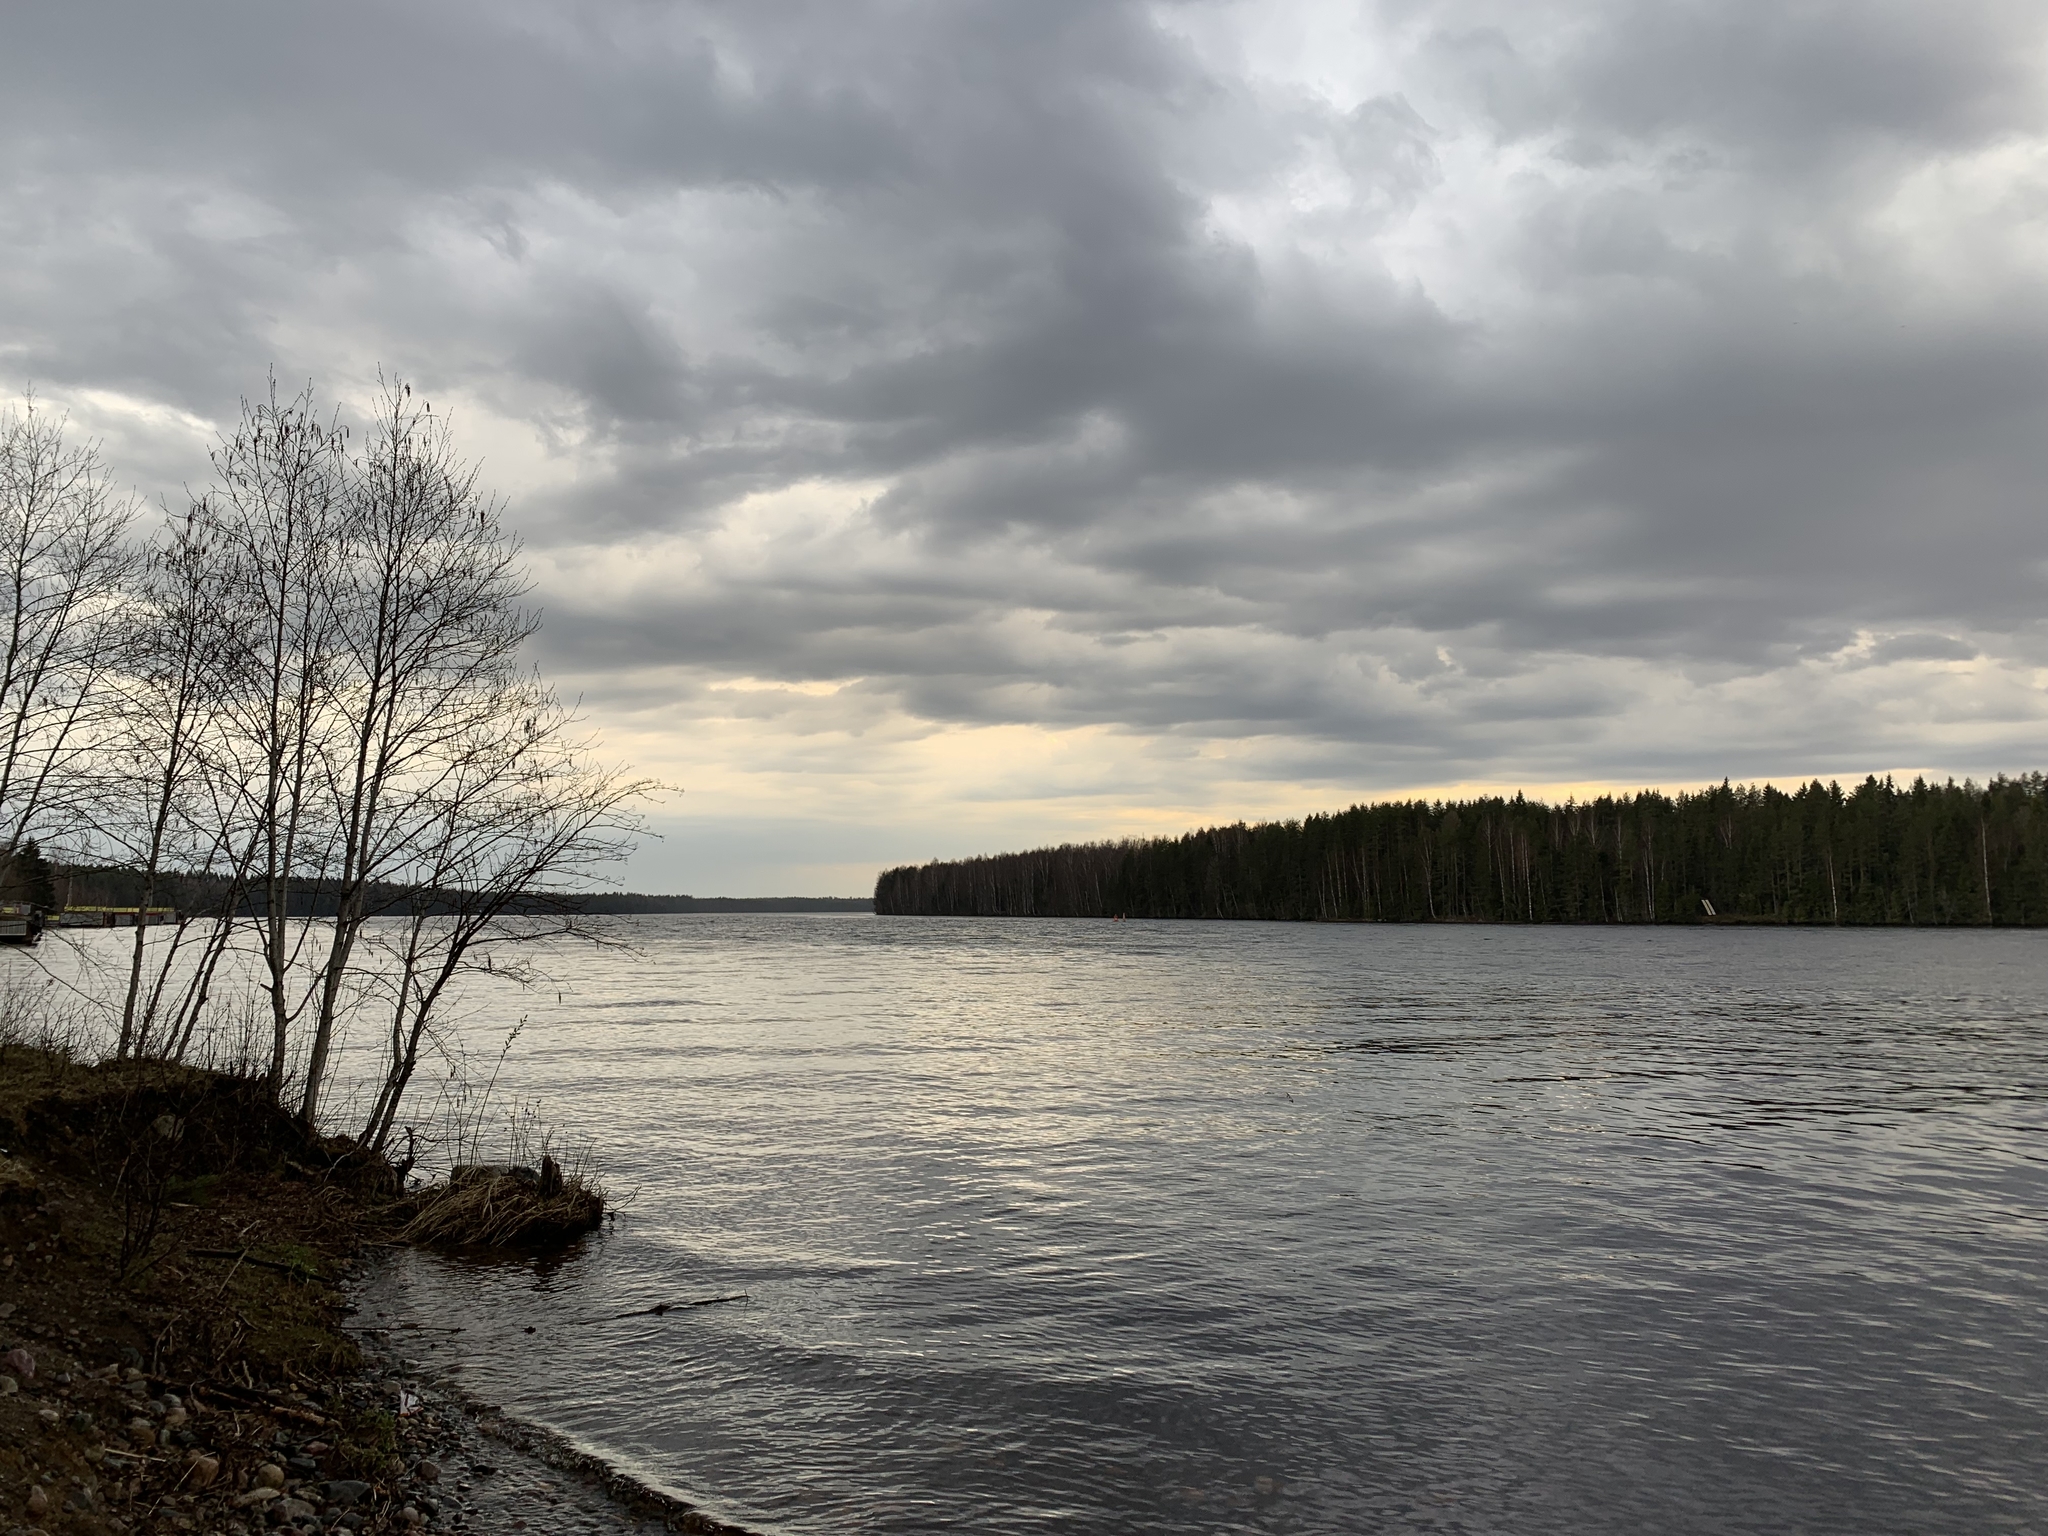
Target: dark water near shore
{"points": [[1219, 1227]]}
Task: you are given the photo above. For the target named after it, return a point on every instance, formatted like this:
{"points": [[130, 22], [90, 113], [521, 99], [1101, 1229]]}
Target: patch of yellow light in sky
{"points": [[810, 690], [966, 789]]}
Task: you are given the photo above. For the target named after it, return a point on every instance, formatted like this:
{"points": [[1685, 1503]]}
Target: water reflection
{"points": [[1236, 1228]]}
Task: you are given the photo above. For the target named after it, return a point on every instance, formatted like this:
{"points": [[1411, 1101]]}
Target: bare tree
{"points": [[308, 698], [64, 557], [175, 782], [429, 629], [282, 482], [512, 834]]}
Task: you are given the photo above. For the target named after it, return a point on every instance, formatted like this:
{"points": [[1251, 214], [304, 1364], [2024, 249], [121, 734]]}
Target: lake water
{"points": [[1231, 1227]]}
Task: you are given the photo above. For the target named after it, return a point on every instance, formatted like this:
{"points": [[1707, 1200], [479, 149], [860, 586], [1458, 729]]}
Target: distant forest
{"points": [[1933, 854], [108, 885]]}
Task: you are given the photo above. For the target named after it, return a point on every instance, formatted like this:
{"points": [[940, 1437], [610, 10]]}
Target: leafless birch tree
{"points": [[174, 795], [308, 697], [64, 560], [524, 820], [282, 484], [429, 629]]}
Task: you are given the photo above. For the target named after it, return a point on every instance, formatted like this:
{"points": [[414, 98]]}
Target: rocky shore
{"points": [[498, 1474], [175, 1350]]}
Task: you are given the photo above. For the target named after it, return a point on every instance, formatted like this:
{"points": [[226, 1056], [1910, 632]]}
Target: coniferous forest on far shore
{"points": [[1875, 854]]}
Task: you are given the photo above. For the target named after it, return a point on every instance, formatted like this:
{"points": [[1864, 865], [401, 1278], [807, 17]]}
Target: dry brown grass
{"points": [[503, 1207]]}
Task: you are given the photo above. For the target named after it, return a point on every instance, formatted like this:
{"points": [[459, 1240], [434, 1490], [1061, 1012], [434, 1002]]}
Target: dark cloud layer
{"points": [[1495, 388]]}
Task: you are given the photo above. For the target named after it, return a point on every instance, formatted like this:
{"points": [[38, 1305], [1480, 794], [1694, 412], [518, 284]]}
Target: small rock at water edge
{"points": [[347, 1492], [428, 1472], [270, 1475]]}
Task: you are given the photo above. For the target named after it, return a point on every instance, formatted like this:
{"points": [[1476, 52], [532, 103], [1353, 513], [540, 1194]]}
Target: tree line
{"points": [[116, 885], [1879, 853], [292, 705]]}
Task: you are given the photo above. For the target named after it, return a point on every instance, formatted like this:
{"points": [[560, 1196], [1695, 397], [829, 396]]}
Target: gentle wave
{"points": [[1220, 1227]]}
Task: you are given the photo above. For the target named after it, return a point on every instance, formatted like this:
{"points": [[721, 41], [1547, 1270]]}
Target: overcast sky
{"points": [[947, 427]]}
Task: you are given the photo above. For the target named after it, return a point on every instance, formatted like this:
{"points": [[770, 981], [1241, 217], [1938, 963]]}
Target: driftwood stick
{"points": [[676, 1306], [661, 1308], [259, 1401]]}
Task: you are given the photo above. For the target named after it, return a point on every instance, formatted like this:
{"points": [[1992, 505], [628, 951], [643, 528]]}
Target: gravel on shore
{"points": [[498, 1474]]}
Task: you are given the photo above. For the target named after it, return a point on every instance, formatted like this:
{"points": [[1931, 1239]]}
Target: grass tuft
{"points": [[501, 1206]]}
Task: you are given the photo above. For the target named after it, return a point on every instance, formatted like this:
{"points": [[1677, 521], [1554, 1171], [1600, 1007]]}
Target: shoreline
{"points": [[185, 1364], [480, 1433]]}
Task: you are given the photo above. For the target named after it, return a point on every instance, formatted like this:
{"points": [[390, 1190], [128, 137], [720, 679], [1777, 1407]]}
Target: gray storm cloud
{"points": [[1446, 389]]}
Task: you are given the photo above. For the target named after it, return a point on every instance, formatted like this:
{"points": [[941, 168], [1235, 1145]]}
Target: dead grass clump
{"points": [[505, 1206]]}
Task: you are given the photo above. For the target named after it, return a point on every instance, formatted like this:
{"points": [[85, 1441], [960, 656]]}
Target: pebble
{"points": [[38, 1501], [19, 1363], [256, 1496], [468, 1483], [347, 1492], [270, 1475], [9, 1386], [291, 1512]]}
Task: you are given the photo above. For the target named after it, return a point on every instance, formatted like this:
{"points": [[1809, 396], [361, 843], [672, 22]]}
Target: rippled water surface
{"points": [[1222, 1227]]}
